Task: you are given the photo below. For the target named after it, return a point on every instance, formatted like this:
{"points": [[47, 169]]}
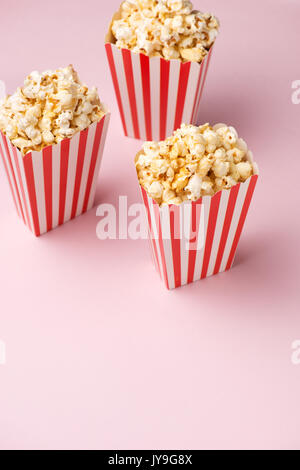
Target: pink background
{"points": [[99, 354]]}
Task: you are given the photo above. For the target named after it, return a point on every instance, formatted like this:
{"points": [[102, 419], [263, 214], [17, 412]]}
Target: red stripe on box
{"points": [[160, 240], [213, 214], [164, 93], [197, 92], [29, 175], [146, 203], [131, 90], [227, 222], [9, 180], [195, 222], [79, 168], [112, 66], [47, 165], [98, 135], [181, 94], [175, 240], [241, 223], [64, 164], [145, 72], [13, 175], [22, 187]]}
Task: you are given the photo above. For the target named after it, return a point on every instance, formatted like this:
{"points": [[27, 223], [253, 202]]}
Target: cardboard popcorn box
{"points": [[154, 95], [57, 184], [194, 240]]}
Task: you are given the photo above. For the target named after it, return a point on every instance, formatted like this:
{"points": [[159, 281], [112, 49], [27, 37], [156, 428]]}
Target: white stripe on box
{"points": [[15, 179], [18, 182], [185, 230], [197, 102], [172, 95], [149, 231], [86, 166], [10, 176], [234, 223], [150, 234], [201, 230], [22, 171], [193, 117], [99, 160], [72, 166], [167, 244], [218, 231], [201, 87], [38, 172], [155, 96], [120, 71], [155, 237], [56, 149], [152, 254], [205, 210], [137, 77], [191, 92]]}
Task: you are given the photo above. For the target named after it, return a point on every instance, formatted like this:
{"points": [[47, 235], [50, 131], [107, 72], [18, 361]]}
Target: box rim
{"points": [[107, 114], [249, 159], [109, 39]]}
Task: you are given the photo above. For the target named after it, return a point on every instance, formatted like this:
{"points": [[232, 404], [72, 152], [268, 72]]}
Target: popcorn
{"points": [[155, 190], [48, 137], [194, 187], [221, 168], [50, 107], [193, 54], [184, 167], [166, 28], [244, 169]]}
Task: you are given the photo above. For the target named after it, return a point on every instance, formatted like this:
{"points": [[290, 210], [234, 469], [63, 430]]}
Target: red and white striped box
{"points": [[196, 240], [57, 184], [155, 95]]}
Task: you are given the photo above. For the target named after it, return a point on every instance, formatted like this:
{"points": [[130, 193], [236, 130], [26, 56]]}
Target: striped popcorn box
{"points": [[155, 95], [57, 184], [196, 240]]}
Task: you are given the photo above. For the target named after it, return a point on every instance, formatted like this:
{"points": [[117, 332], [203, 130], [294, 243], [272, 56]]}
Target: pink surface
{"points": [[99, 353]]}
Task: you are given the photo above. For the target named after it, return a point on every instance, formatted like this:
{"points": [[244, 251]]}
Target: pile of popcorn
{"points": [[166, 28], [50, 107], [194, 162]]}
